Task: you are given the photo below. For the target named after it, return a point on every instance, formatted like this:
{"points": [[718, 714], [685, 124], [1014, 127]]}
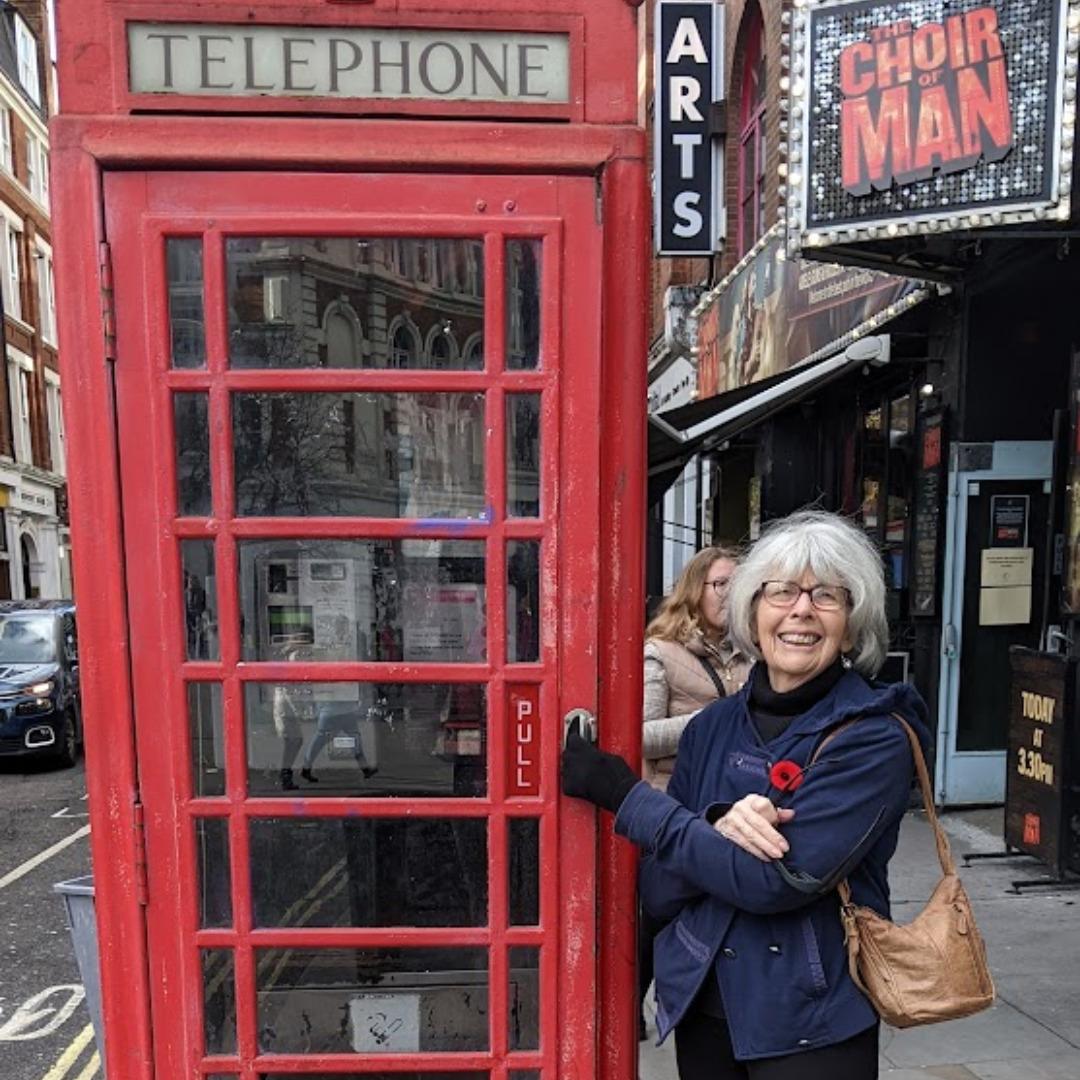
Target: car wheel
{"points": [[67, 746]]}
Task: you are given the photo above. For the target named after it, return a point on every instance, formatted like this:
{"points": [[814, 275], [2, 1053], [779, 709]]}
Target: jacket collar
{"points": [[853, 696]]}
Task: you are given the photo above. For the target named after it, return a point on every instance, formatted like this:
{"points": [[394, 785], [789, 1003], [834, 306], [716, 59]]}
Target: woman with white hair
{"points": [[744, 851]]}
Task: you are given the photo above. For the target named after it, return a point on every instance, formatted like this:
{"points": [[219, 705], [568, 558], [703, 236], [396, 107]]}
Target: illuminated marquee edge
{"points": [[794, 123], [876, 322]]}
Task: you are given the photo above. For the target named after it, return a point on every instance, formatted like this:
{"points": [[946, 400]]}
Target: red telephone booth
{"points": [[353, 326]]}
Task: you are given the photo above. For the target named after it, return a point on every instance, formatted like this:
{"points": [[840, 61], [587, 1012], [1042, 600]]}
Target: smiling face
{"points": [[714, 595], [799, 642]]}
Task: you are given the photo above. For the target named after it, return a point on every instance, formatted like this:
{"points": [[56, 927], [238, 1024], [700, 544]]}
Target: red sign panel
{"points": [[523, 761]]}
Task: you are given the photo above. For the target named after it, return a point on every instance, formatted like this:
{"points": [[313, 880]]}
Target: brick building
{"points": [[34, 545]]}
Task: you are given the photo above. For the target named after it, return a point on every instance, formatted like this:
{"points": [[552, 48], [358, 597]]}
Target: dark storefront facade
{"points": [[932, 145]]}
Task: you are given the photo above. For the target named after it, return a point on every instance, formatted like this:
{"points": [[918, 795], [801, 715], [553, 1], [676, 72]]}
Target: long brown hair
{"points": [[679, 614]]}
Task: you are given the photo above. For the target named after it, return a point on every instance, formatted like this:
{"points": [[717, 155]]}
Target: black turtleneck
{"points": [[773, 712]]}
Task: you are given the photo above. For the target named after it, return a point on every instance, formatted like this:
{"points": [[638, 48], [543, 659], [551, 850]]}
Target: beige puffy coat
{"points": [[676, 687]]}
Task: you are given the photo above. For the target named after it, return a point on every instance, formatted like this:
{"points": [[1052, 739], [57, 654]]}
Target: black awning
{"points": [[677, 435]]}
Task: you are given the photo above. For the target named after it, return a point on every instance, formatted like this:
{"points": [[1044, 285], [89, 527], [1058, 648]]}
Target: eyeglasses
{"points": [[719, 585], [785, 594]]}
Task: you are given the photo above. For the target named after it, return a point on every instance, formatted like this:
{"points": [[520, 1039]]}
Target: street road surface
{"points": [[45, 1031]]}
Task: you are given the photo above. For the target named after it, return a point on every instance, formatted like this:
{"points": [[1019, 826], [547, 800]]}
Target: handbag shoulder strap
{"points": [[712, 675], [941, 840]]}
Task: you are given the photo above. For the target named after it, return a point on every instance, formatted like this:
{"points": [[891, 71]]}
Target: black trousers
{"points": [[703, 1052]]}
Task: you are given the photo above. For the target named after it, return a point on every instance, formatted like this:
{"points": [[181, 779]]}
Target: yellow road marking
{"points": [[93, 1066], [70, 1055]]}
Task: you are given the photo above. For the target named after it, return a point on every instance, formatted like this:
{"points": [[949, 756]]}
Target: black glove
{"points": [[599, 777]]}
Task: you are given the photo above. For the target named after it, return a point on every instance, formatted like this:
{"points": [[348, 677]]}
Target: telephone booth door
{"points": [[358, 425]]}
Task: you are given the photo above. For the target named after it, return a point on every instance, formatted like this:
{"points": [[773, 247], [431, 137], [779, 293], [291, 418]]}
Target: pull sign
{"points": [[687, 174], [523, 759]]}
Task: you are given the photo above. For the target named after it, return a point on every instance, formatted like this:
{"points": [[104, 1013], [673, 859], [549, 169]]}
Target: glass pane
{"points": [[187, 325], [524, 1074], [523, 837], [219, 1001], [207, 739], [523, 455], [190, 412], [411, 600], [200, 599], [359, 739], [522, 601], [212, 862], [349, 302], [524, 999], [374, 1001], [360, 455], [523, 304], [369, 872]]}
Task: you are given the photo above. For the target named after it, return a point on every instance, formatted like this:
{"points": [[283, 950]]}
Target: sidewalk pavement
{"points": [[1033, 941]]}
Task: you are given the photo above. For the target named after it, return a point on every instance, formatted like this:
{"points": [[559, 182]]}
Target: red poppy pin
{"points": [[785, 776]]}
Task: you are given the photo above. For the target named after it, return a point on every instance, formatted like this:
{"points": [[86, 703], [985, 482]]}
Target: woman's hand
{"points": [[752, 823]]}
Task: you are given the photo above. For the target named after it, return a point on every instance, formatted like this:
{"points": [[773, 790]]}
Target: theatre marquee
{"points": [[926, 116]]}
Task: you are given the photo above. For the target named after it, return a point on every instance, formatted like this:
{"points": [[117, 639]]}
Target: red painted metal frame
{"points": [[141, 210], [93, 57], [94, 137]]}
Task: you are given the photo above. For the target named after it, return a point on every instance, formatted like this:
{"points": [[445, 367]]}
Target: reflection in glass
{"points": [[382, 600], [523, 455], [363, 739], [349, 302], [360, 455], [200, 599], [212, 865], [523, 870], [369, 872], [522, 601], [187, 325], [377, 1001], [192, 455], [523, 304], [207, 739], [219, 1001], [524, 999]]}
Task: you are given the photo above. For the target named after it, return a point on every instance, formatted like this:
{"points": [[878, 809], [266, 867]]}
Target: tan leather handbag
{"points": [[933, 968]]}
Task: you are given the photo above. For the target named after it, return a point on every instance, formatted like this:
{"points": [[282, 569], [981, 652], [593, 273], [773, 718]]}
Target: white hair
{"points": [[837, 553]]}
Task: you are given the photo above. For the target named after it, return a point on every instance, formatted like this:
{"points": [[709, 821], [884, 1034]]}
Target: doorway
{"points": [[354, 416], [995, 567]]}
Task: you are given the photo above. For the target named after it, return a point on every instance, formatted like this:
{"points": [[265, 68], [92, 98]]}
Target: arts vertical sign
{"points": [[687, 185]]}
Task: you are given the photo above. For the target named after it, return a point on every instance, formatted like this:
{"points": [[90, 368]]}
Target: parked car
{"points": [[40, 712]]}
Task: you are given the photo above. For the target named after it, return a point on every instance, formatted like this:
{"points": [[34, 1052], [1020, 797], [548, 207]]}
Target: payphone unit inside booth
{"points": [[349, 508]]}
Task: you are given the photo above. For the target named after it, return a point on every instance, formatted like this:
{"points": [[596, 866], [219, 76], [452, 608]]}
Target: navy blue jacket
{"points": [[771, 930]]}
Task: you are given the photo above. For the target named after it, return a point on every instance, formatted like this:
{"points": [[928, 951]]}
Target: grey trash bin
{"points": [[78, 894]]}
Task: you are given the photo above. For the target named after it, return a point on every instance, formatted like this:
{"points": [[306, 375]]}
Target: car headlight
{"points": [[41, 689]]}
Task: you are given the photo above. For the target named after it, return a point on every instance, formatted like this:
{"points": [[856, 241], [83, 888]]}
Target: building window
{"points": [[54, 405], [37, 169], [46, 298], [26, 50], [752, 146], [12, 285], [20, 374], [5, 139]]}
